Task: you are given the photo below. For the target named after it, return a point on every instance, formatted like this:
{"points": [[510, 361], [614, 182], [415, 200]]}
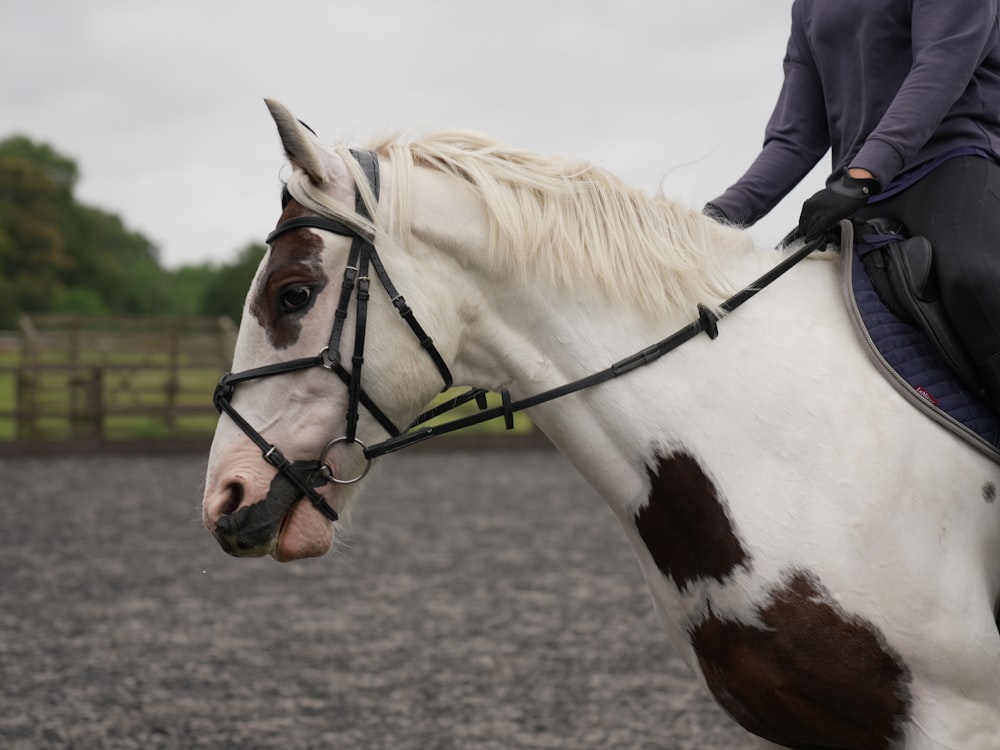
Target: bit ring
{"points": [[328, 473]]}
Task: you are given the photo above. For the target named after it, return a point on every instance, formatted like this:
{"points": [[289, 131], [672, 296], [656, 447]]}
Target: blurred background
{"points": [[139, 169], [484, 599]]}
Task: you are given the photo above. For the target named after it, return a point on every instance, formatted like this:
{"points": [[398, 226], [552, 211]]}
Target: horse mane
{"points": [[572, 222]]}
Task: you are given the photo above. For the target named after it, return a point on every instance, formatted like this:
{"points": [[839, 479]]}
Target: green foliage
{"points": [[32, 245], [56, 169], [78, 301], [58, 255], [227, 289], [187, 289]]}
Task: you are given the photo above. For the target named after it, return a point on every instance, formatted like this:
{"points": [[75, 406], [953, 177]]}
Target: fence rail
{"points": [[108, 379], [94, 385], [109, 402]]}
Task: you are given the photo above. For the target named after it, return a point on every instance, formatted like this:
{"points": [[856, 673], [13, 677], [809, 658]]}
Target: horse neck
{"points": [[532, 336], [528, 332], [523, 306]]}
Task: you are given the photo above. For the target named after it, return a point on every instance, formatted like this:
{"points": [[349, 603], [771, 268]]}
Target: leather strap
{"points": [[707, 322], [361, 257]]}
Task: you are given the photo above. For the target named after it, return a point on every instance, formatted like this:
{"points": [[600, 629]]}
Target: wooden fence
{"points": [[112, 379], [88, 385]]}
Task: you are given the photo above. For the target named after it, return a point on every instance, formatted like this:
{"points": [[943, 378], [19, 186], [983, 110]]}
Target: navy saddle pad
{"points": [[911, 362]]}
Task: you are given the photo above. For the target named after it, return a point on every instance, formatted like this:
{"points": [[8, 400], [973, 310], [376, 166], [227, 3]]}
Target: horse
{"points": [[824, 558]]}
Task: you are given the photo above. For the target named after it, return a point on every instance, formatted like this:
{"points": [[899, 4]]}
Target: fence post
{"points": [[59, 383], [172, 386], [26, 403], [29, 339], [97, 399]]}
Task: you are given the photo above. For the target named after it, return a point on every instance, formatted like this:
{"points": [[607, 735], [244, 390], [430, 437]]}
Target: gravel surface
{"points": [[482, 600]]}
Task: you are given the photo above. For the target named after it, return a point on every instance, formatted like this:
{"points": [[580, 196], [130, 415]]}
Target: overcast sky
{"points": [[161, 103]]}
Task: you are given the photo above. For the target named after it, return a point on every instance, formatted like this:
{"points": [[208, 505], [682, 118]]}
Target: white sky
{"points": [[161, 103]]}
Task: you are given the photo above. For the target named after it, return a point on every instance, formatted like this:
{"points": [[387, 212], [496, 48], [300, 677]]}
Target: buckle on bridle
{"points": [[327, 360]]}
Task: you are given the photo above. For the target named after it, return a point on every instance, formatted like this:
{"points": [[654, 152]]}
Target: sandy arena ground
{"points": [[483, 601]]}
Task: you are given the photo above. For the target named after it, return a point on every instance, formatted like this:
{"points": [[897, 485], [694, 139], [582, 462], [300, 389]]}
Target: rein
{"points": [[707, 322], [362, 258]]}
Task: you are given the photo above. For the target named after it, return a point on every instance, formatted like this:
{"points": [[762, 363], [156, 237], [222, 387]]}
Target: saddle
{"points": [[892, 290]]}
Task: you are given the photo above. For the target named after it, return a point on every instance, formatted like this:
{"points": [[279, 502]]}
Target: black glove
{"points": [[835, 202]]}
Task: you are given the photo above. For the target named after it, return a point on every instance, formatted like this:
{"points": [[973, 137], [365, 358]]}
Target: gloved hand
{"points": [[835, 202]]}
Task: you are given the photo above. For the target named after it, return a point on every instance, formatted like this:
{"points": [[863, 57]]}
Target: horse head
{"points": [[295, 394]]}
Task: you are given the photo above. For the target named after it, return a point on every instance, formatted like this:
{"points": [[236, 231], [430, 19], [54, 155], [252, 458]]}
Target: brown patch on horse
{"points": [[808, 676], [685, 525], [295, 259], [990, 492]]}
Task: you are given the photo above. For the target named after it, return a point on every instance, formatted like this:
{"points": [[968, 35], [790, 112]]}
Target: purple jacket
{"points": [[888, 85]]}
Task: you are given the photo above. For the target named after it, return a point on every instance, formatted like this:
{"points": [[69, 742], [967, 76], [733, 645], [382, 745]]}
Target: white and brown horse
{"points": [[826, 559]]}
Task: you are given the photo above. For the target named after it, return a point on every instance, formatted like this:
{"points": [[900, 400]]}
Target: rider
{"points": [[906, 94]]}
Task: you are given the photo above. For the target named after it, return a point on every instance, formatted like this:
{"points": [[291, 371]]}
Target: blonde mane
{"points": [[570, 222]]}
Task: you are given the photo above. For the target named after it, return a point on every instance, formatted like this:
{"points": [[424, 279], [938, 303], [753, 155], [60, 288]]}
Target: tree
{"points": [[56, 253], [77, 301], [58, 170], [187, 288], [32, 248], [225, 293]]}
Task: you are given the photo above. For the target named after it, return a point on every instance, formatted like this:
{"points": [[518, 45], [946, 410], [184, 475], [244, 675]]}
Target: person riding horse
{"points": [[906, 95]]}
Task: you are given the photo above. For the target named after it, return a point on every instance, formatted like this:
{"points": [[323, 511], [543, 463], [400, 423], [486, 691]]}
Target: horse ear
{"points": [[302, 147]]}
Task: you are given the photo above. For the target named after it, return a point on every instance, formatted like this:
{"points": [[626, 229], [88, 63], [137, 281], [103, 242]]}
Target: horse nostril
{"points": [[234, 497]]}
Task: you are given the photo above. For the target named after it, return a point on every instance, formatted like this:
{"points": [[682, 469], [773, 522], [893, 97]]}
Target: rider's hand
{"points": [[837, 201]]}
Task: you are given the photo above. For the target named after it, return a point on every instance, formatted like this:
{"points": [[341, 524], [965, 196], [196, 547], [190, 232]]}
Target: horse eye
{"points": [[295, 298]]}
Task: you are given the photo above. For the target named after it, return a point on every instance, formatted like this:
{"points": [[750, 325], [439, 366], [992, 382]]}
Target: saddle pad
{"points": [[908, 359]]}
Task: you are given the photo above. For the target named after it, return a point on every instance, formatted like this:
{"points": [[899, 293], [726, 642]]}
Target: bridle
{"points": [[362, 259]]}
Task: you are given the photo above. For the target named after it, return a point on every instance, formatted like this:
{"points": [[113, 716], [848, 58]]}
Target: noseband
{"points": [[362, 260]]}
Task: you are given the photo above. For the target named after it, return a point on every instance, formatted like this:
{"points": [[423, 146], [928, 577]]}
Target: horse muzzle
{"points": [[253, 530]]}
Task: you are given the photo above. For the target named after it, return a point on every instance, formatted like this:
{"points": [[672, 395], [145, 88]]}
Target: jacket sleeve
{"points": [[950, 41], [795, 139]]}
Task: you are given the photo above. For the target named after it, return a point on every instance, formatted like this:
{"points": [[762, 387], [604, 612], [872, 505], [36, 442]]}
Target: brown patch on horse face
{"points": [[295, 259], [685, 525], [809, 676]]}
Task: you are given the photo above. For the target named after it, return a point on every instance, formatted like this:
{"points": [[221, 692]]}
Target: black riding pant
{"points": [[957, 208]]}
